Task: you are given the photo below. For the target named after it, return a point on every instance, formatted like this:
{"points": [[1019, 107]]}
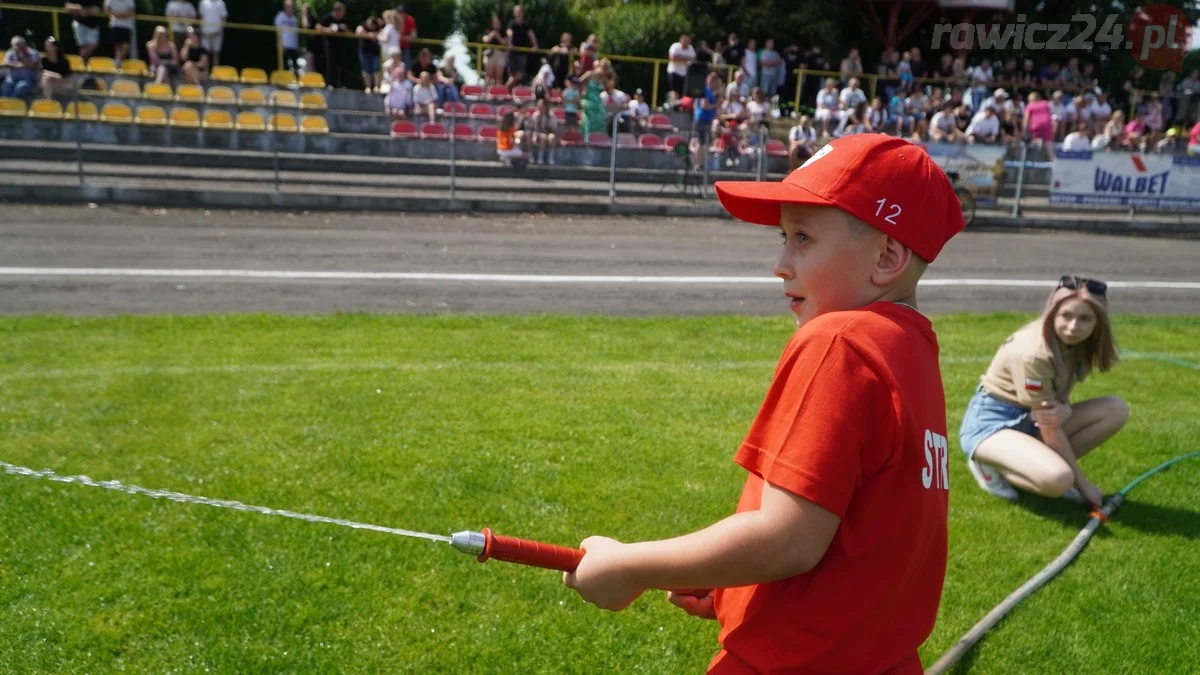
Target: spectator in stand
{"points": [[1114, 130], [22, 64], [163, 56], [1050, 74], [122, 28], [1100, 108], [85, 25], [1171, 143], [734, 52], [510, 140], [984, 128], [544, 131], [718, 59], [520, 34], [944, 126], [180, 9], [213, 15], [855, 121], [194, 58], [593, 102], [395, 58], [1189, 96], [914, 108], [904, 73], [424, 65], [919, 69], [399, 100], [589, 53], [877, 116], [706, 109], [898, 113], [1000, 102], [1027, 79], [888, 82], [804, 134], [287, 22], [543, 82], [770, 69], [1134, 133], [731, 112], [448, 81], [792, 60], [1166, 87], [851, 65], [851, 96], [560, 58], [425, 97], [1010, 127], [330, 49], [1134, 85], [1039, 122], [750, 63], [370, 52], [827, 106], [739, 88], [963, 114], [1058, 113], [616, 105], [1087, 77], [958, 69], [758, 109], [1078, 140], [681, 55], [704, 53], [56, 70], [639, 112], [1154, 116], [944, 70], [1193, 147], [570, 97], [1008, 75], [814, 60], [406, 25], [1070, 76], [981, 79], [495, 56]]}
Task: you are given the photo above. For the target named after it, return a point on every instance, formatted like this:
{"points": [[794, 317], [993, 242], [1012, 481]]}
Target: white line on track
{"points": [[327, 275]]}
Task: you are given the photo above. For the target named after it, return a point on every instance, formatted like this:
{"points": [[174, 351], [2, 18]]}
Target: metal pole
{"points": [[705, 158], [612, 163], [453, 153], [762, 152], [57, 36], [654, 89], [78, 135], [275, 142], [1016, 210]]}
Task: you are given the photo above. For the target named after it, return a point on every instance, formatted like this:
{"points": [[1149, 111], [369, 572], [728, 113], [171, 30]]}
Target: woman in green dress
{"points": [[593, 107]]}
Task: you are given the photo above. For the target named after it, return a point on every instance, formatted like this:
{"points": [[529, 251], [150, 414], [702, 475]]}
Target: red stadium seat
{"points": [[482, 111], [554, 96], [673, 140], [471, 91], [559, 114], [650, 141], [502, 110], [498, 92], [523, 93], [454, 108], [487, 134], [660, 122], [404, 129], [464, 132], [776, 148], [626, 140], [433, 130], [599, 139], [571, 139]]}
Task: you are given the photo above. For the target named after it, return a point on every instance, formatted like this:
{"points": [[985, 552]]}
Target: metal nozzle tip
{"points": [[471, 543]]}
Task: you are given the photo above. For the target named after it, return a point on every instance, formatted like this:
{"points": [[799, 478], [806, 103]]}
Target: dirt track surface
{"points": [[140, 238]]}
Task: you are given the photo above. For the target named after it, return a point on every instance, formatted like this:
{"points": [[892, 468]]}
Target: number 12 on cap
{"points": [[894, 209]]}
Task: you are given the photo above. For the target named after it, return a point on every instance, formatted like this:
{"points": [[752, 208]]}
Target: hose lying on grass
{"points": [[989, 621]]}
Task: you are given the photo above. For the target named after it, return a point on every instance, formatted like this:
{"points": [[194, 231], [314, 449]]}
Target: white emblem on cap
{"points": [[820, 153]]}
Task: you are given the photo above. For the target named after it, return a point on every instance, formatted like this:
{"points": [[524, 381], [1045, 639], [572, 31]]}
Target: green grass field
{"points": [[544, 427]]}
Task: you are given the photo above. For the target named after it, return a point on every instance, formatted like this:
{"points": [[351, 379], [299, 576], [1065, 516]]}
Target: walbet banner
{"points": [[1126, 179]]}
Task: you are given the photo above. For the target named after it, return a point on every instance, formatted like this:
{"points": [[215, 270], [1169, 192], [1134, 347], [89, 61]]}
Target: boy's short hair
{"points": [[888, 183]]}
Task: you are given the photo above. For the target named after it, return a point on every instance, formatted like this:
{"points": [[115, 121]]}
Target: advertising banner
{"points": [[1126, 179]]}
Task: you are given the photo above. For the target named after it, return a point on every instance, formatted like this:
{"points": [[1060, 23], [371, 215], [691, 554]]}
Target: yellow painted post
{"points": [[479, 59], [874, 80], [54, 25], [654, 92], [279, 49], [799, 88]]}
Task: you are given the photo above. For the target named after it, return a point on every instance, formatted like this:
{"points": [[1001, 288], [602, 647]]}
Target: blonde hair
{"points": [[1099, 351]]}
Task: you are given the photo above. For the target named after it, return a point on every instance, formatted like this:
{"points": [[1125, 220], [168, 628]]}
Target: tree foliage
{"points": [[548, 18]]}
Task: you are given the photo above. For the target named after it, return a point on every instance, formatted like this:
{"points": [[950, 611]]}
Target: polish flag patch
{"points": [[1032, 384]]}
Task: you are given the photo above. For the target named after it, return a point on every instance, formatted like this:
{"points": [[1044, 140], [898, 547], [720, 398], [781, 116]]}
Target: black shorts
{"points": [[572, 118], [516, 63], [675, 83], [122, 35]]}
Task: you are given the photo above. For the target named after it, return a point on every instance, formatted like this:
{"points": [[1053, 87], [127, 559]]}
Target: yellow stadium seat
{"points": [[102, 65], [46, 109], [250, 121], [254, 76], [189, 93], [87, 112], [283, 78], [135, 67], [220, 95], [283, 122], [218, 119], [185, 118], [251, 97], [313, 80], [313, 124], [125, 89], [155, 91], [224, 74], [12, 107], [116, 113], [312, 101], [283, 99], [77, 64], [152, 115]]}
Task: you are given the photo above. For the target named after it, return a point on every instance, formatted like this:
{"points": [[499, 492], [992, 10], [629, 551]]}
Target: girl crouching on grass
{"points": [[1020, 429]]}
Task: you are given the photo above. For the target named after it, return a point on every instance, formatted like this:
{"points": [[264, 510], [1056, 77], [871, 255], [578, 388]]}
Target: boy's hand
{"points": [[696, 605], [601, 577]]}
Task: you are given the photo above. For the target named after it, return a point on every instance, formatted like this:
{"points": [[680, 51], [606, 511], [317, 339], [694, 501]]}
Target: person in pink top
{"points": [[1135, 131], [1039, 121], [1194, 141]]}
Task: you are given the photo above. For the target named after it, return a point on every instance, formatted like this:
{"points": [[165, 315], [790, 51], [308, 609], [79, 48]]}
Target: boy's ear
{"points": [[893, 262]]}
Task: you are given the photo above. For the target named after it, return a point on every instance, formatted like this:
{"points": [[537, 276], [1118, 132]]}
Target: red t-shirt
{"points": [[1194, 136], [410, 24], [855, 422]]}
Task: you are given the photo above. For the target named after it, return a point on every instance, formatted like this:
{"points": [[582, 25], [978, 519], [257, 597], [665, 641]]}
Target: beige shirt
{"points": [[1023, 371]]}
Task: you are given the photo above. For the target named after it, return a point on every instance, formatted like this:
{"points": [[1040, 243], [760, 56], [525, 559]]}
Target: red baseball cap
{"points": [[887, 182]]}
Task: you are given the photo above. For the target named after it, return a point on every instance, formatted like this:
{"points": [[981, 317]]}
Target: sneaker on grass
{"points": [[991, 481]]}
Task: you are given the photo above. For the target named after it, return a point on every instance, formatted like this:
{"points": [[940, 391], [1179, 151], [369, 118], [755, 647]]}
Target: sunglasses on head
{"points": [[1073, 283]]}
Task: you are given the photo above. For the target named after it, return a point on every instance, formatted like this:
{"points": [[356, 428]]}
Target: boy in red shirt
{"points": [[835, 559]]}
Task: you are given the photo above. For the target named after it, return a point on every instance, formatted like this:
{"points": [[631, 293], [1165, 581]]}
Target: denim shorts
{"points": [[986, 415], [369, 62]]}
